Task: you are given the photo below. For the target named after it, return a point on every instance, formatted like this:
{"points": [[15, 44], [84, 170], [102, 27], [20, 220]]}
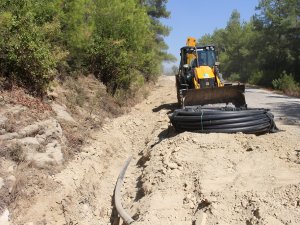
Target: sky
{"points": [[195, 18]]}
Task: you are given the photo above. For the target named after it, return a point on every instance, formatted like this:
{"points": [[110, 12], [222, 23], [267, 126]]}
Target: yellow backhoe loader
{"points": [[199, 82]]}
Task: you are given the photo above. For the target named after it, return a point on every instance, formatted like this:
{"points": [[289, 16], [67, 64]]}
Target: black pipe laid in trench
{"points": [[117, 195]]}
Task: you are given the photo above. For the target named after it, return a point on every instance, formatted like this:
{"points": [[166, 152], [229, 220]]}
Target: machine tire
{"points": [[223, 120], [179, 97]]}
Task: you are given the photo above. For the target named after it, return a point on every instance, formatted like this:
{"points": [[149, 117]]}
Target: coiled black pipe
{"points": [[223, 120]]}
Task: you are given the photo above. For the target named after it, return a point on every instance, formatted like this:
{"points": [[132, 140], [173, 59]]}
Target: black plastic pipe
{"points": [[123, 214]]}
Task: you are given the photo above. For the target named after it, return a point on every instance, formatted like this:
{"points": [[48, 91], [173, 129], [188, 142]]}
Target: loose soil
{"points": [[175, 178]]}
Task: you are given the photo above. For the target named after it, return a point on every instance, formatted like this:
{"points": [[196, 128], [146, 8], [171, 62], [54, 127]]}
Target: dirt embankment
{"points": [[186, 178]]}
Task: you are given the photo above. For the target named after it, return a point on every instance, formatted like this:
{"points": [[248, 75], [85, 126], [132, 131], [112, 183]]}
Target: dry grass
{"points": [[18, 96], [19, 116], [13, 190], [18, 187], [85, 95], [127, 100], [2, 205], [13, 152], [90, 104], [292, 93], [3, 199], [75, 139], [76, 93], [10, 126], [16, 152], [28, 182]]}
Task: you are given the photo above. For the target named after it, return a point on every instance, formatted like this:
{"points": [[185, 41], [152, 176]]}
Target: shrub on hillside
{"points": [[28, 58], [286, 83]]}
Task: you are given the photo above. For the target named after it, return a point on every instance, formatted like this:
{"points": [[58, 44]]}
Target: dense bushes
{"points": [[28, 56], [264, 49], [286, 83], [119, 41]]}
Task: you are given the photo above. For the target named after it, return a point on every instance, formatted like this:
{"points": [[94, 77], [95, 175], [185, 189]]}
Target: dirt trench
{"points": [[178, 179]]}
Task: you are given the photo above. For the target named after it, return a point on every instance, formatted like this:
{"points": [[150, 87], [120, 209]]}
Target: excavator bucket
{"points": [[228, 94]]}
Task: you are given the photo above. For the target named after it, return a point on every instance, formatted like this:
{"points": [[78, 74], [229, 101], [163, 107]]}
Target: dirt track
{"points": [[178, 179]]}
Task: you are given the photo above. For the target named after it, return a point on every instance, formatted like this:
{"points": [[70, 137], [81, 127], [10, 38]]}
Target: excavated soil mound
{"points": [[222, 179]]}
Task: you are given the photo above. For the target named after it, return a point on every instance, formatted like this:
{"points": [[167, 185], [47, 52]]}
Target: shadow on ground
{"points": [[168, 106], [167, 133], [287, 111], [279, 96]]}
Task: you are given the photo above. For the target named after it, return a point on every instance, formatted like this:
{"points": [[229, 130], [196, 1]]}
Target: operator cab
{"points": [[206, 56], [199, 66], [192, 57]]}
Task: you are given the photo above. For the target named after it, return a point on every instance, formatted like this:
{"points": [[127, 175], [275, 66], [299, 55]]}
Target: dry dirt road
{"points": [[179, 178]]}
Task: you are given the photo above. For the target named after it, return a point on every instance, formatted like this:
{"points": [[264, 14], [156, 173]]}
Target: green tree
{"points": [[120, 41], [28, 54], [156, 9], [123, 44], [264, 48], [278, 24], [231, 44], [78, 23]]}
